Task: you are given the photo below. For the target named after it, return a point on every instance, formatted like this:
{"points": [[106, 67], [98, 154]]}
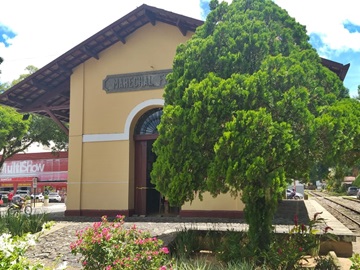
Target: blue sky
{"points": [[42, 30]]}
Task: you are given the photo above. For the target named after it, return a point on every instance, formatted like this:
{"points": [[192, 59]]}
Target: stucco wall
{"points": [[101, 153], [101, 156], [223, 202]]}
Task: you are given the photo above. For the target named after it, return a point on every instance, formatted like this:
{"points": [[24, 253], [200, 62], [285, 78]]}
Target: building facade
{"points": [[35, 172], [110, 89]]}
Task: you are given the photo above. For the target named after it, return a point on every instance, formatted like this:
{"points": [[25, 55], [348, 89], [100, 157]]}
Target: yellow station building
{"points": [[109, 89]]}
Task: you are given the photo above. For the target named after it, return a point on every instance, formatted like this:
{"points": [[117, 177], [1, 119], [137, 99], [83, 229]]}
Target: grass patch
{"points": [[18, 225]]}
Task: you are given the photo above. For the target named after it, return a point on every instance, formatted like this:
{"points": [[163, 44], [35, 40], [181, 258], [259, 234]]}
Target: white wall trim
{"points": [[126, 134]]}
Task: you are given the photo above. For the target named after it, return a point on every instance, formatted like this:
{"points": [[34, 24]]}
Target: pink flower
{"points": [[163, 267], [165, 250], [301, 249]]}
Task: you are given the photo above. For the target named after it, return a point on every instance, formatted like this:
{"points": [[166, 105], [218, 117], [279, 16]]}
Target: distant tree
{"points": [[2, 86], [30, 70], [356, 183], [245, 106], [16, 134]]}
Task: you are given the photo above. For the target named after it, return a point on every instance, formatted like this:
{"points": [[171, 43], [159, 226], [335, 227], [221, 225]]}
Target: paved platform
{"points": [[344, 246], [306, 209]]}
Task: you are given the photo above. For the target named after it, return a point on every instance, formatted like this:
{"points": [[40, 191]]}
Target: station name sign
{"points": [[135, 81]]}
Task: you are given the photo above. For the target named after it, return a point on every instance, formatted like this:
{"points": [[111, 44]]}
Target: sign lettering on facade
{"points": [[135, 81], [42, 169], [26, 166]]}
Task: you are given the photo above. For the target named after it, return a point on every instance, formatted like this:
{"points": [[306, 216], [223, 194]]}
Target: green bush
{"points": [[285, 252], [108, 245], [355, 261]]}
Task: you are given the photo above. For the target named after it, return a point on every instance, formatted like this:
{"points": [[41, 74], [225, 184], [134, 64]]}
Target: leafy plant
{"points": [[232, 247], [18, 225], [12, 250], [288, 249], [108, 245], [325, 263], [355, 261]]}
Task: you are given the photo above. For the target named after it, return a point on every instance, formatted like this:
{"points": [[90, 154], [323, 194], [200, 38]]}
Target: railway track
{"points": [[344, 209]]}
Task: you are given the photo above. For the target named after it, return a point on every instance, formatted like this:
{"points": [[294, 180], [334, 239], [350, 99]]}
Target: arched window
{"points": [[148, 122]]}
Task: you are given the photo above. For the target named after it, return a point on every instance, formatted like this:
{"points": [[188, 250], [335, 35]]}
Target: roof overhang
{"points": [[47, 91]]}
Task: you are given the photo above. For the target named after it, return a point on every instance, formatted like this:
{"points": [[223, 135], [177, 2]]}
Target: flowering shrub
{"points": [[12, 250], [108, 245], [302, 240]]}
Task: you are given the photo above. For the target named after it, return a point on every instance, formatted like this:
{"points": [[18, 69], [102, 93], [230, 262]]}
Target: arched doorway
{"points": [[147, 198]]}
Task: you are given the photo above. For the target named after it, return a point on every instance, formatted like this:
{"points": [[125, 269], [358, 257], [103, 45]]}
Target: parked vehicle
{"points": [[352, 191], [39, 197], [294, 195], [53, 196], [22, 192]]}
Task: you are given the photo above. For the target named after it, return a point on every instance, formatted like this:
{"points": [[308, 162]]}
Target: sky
{"points": [[38, 31]]}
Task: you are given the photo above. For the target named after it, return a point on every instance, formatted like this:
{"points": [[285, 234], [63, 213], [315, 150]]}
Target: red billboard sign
{"points": [[44, 169]]}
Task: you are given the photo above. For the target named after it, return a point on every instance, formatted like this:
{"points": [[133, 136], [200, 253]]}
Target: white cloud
{"points": [[326, 18], [46, 29]]}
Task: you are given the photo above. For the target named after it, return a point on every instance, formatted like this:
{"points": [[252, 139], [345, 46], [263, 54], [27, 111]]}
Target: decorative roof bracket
{"points": [[87, 51], [64, 69], [58, 122], [119, 37], [181, 27], [151, 16]]}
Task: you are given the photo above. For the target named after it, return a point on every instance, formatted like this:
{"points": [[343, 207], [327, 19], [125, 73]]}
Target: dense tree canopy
{"points": [[17, 134], [248, 106]]}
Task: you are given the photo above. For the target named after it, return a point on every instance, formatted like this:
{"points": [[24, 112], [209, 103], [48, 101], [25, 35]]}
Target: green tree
{"points": [[241, 109], [356, 183], [16, 134], [338, 132]]}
